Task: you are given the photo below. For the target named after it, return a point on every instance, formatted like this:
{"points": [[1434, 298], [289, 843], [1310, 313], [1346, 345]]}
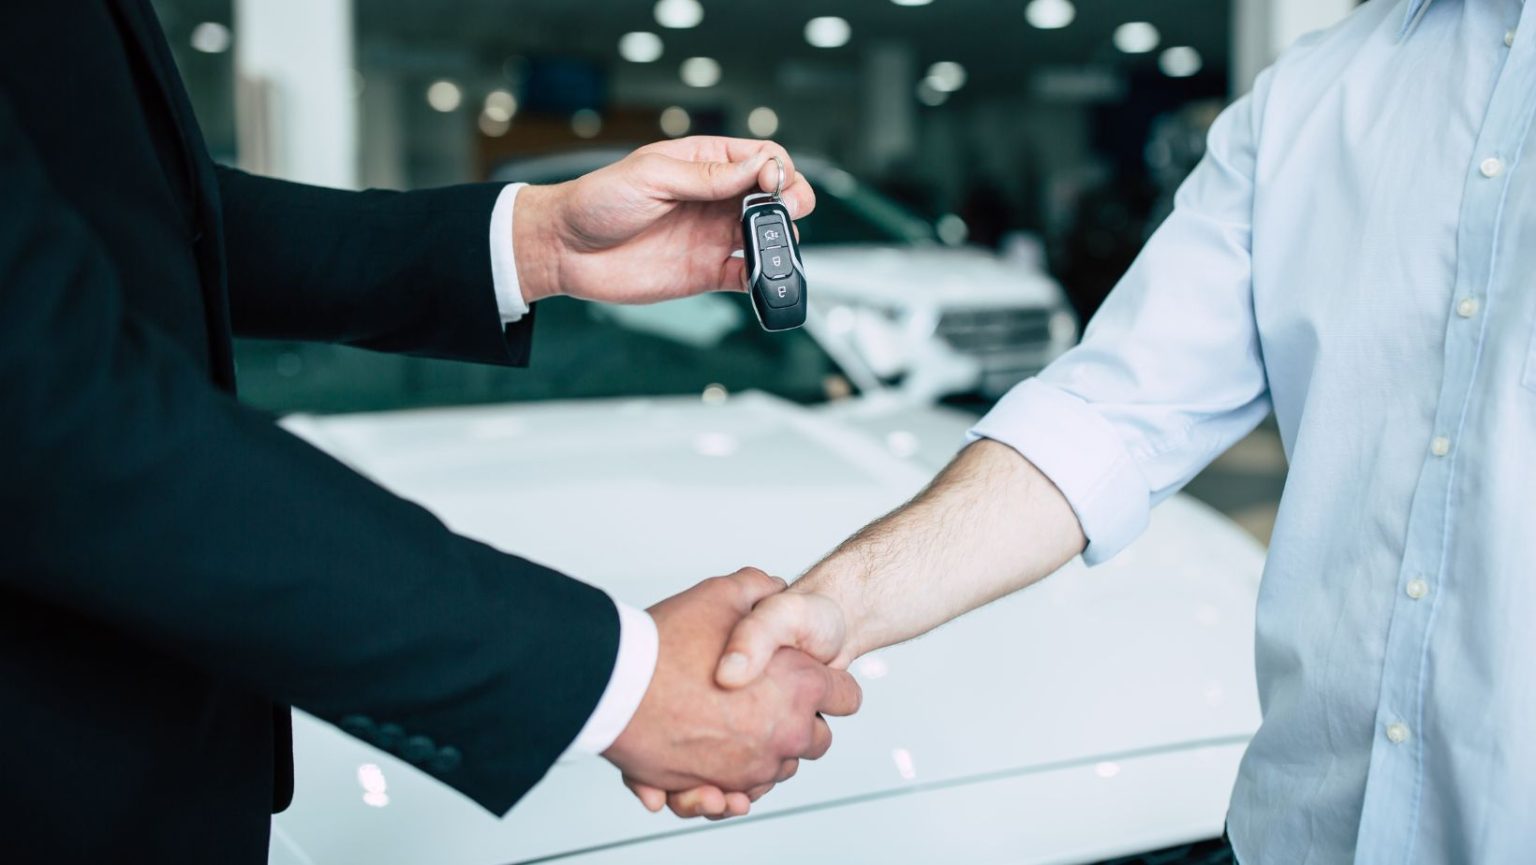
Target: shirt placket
{"points": [[1390, 815]]}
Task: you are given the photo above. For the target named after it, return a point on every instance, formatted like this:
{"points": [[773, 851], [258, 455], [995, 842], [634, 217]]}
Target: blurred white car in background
{"points": [[958, 319], [1099, 714]]}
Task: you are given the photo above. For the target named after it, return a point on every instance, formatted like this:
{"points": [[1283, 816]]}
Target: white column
{"points": [[296, 114], [889, 119], [1261, 29]]}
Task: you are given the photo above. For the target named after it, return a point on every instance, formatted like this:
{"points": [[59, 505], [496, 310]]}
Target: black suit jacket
{"points": [[175, 570]]}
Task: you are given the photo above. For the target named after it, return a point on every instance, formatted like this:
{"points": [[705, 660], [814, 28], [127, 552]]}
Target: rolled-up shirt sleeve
{"points": [[1169, 373]]}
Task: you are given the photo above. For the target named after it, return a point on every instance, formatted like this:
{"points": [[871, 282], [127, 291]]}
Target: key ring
{"points": [[778, 188]]}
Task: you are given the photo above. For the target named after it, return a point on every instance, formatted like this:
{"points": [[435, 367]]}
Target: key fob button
{"points": [[770, 233], [781, 293], [776, 263]]}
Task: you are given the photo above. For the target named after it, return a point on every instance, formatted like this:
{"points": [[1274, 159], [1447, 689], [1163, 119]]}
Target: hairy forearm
{"points": [[988, 525]]}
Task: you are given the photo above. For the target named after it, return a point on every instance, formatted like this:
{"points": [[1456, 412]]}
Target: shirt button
{"points": [[1467, 307], [1440, 446], [1397, 734], [1509, 37], [1491, 167], [1416, 589]]}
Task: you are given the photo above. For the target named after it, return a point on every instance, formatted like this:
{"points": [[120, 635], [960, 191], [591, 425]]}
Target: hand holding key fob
{"points": [[775, 276]]}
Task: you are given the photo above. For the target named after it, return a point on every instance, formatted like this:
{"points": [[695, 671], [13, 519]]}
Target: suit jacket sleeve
{"points": [[136, 494], [395, 271]]}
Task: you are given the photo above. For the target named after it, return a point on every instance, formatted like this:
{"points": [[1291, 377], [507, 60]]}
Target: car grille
{"points": [[996, 331]]}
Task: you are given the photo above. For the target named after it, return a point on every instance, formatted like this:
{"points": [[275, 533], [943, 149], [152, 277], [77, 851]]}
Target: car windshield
{"points": [[847, 211], [708, 345]]}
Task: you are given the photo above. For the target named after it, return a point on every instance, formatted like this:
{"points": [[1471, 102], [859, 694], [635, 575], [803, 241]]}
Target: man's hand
{"points": [[690, 734], [800, 618], [658, 224], [988, 525]]}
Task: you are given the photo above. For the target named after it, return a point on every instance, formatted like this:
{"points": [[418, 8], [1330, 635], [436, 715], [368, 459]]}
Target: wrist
{"points": [[841, 578], [536, 241]]}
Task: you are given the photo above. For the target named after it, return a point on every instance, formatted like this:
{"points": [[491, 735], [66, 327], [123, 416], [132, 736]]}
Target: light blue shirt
{"points": [[1357, 253]]}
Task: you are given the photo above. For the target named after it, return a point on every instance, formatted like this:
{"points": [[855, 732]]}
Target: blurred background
{"points": [[986, 168]]}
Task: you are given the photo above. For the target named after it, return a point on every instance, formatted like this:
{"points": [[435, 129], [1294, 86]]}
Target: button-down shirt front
{"points": [[1357, 253]]}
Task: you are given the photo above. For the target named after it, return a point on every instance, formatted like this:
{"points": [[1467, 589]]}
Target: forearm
{"points": [[406, 272], [988, 525]]}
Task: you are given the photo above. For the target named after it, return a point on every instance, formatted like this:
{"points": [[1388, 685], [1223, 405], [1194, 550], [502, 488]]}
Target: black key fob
{"points": [[775, 276]]}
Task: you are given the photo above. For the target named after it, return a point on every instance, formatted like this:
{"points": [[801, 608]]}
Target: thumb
{"points": [[809, 622], [688, 180]]}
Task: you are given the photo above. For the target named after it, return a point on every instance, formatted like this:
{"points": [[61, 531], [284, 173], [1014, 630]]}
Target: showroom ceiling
{"points": [[991, 37]]}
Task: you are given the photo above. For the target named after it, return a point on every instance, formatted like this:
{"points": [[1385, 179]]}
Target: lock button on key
{"points": [[771, 233]]}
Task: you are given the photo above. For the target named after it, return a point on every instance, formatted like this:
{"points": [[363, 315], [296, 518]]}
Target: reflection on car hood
{"points": [[895, 276], [1149, 653]]}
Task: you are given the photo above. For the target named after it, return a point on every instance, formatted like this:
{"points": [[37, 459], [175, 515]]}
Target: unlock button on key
{"points": [[776, 263]]}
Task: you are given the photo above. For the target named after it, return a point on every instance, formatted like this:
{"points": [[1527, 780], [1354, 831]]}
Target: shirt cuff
{"points": [[509, 293], [1082, 454], [626, 686]]}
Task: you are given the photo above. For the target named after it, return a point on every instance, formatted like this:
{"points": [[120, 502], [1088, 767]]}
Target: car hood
{"points": [[1148, 654], [896, 276]]}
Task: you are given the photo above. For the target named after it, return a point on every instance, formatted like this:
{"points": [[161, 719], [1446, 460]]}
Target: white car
{"points": [[958, 318], [1099, 714]]}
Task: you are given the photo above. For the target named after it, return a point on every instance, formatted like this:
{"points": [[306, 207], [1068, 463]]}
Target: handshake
{"points": [[744, 673]]}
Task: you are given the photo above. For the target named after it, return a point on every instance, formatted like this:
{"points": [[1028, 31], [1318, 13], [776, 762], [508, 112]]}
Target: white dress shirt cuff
{"points": [[626, 686], [509, 293], [1082, 454]]}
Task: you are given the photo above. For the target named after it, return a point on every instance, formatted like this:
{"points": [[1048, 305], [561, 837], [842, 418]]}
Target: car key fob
{"points": [[775, 276]]}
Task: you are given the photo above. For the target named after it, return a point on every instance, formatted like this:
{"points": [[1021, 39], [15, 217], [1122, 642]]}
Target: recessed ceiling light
{"points": [[946, 76], [1050, 14], [763, 121], [493, 127], [586, 123], [1180, 61], [929, 95], [911, 2], [500, 105], [828, 31], [700, 72], [640, 47], [210, 37], [679, 14], [444, 95], [1136, 37], [675, 121]]}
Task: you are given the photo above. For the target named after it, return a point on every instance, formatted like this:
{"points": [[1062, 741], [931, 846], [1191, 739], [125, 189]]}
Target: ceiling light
{"points": [[210, 37], [675, 121], [763, 121], [1050, 14], [1136, 37], [444, 96], [586, 123], [500, 105], [679, 14], [911, 2], [828, 31], [1180, 61], [640, 47], [946, 76], [700, 72], [929, 95], [493, 127], [952, 229]]}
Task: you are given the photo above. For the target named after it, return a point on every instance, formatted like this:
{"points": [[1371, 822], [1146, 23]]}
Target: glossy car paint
{"points": [[1099, 713]]}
